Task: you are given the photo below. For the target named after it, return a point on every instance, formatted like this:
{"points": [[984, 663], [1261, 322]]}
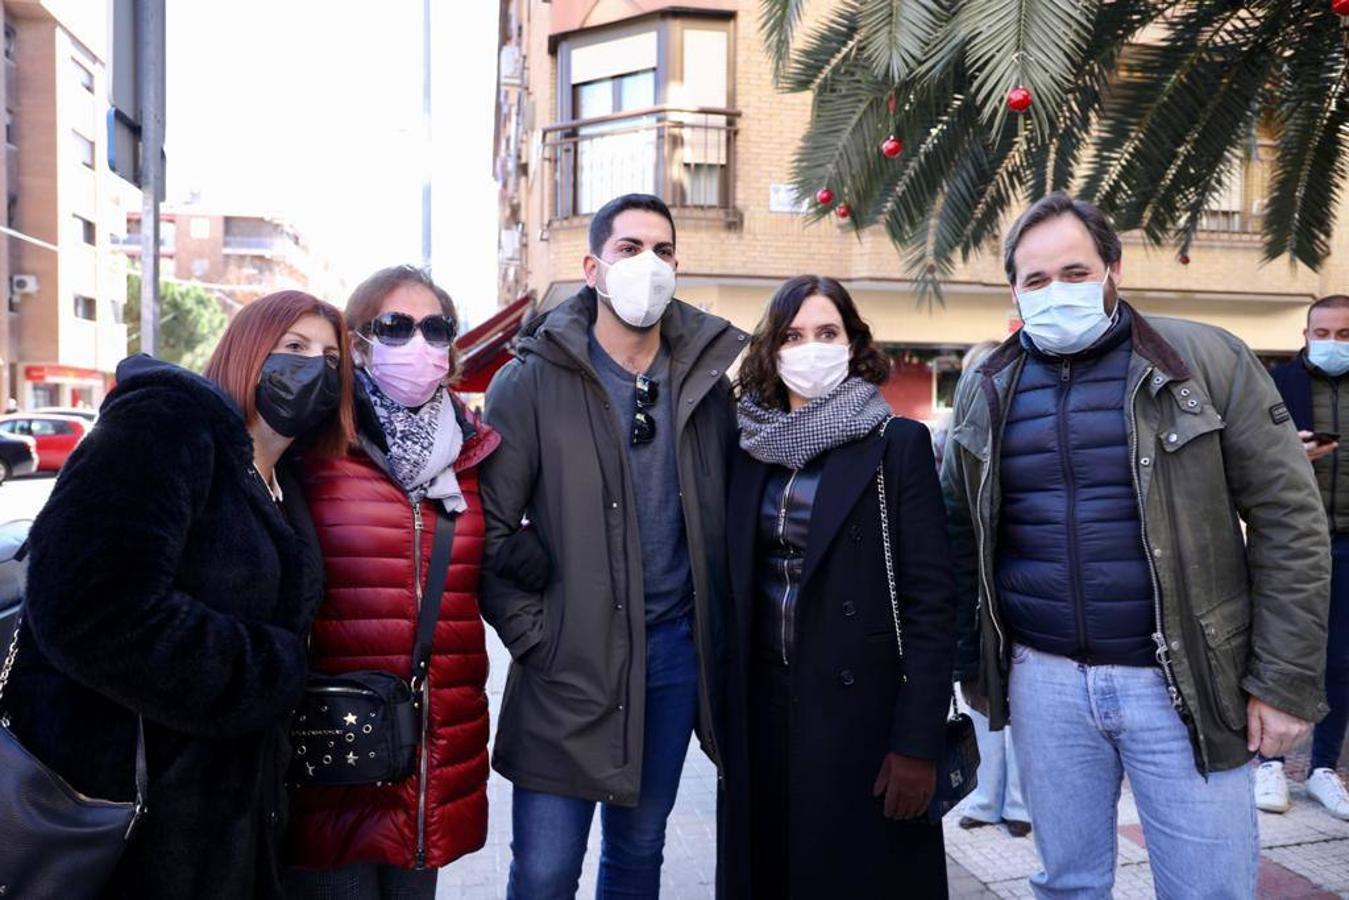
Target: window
{"points": [[86, 307], [11, 132], [630, 90], [49, 427], [609, 165], [87, 230], [13, 426], [11, 40], [84, 149], [46, 395], [83, 75]]}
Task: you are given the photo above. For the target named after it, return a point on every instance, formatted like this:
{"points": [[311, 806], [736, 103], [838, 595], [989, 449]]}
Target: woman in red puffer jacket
{"points": [[417, 458]]}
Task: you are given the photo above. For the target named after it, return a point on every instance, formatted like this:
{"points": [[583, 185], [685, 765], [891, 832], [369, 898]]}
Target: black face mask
{"points": [[297, 392]]}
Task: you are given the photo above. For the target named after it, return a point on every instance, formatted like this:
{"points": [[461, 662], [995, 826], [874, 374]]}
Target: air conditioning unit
{"points": [[23, 284]]}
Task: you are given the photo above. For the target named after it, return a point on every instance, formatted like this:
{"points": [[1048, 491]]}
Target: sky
{"points": [[311, 110]]}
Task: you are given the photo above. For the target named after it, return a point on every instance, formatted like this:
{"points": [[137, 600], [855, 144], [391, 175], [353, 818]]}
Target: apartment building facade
{"points": [[242, 255], [600, 97], [62, 332]]}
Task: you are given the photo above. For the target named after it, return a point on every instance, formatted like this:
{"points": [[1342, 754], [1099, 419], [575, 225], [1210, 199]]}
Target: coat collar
{"points": [[562, 335]]}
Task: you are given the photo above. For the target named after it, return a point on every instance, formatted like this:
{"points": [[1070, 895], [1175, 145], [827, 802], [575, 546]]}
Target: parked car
{"points": [[18, 456], [78, 412], [56, 436]]}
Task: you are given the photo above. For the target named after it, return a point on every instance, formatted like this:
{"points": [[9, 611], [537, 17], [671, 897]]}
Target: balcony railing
{"points": [[684, 155], [1231, 224], [258, 245]]}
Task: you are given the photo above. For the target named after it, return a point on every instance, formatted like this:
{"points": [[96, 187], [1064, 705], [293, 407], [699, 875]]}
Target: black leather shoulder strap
{"points": [[429, 613]]}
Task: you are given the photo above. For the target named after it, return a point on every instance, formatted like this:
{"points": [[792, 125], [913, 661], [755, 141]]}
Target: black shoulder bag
{"points": [[363, 727], [54, 841], [958, 765]]}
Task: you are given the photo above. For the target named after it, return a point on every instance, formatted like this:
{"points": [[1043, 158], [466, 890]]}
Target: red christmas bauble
{"points": [[1019, 99], [843, 211], [1185, 257], [1340, 7], [824, 196], [892, 147]]}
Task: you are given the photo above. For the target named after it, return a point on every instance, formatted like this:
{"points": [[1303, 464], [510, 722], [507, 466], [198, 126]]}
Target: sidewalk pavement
{"points": [[1304, 853]]}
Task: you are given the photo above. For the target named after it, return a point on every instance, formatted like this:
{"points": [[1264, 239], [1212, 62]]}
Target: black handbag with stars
{"points": [[364, 727]]}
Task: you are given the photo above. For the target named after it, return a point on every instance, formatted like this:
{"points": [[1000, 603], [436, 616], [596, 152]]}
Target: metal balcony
{"points": [[684, 155]]}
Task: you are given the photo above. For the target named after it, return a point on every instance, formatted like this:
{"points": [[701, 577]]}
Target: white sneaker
{"points": [[1271, 788], [1326, 787]]}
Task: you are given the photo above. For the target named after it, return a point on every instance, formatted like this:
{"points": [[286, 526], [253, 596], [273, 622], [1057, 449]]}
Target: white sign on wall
{"points": [[782, 199]]}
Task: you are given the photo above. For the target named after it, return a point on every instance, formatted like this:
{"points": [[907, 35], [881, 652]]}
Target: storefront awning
{"points": [[485, 349]]}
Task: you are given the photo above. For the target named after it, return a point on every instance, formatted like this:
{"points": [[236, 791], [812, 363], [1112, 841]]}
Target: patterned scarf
{"points": [[792, 439], [423, 445]]}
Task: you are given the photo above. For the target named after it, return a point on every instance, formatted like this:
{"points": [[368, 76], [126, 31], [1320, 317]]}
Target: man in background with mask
{"points": [[1097, 466], [1316, 391], [616, 422]]}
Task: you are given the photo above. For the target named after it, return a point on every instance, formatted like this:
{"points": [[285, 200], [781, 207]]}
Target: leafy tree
{"points": [[1147, 130], [190, 322]]}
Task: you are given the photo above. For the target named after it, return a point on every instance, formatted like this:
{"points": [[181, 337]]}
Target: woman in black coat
{"points": [[830, 758], [172, 576]]}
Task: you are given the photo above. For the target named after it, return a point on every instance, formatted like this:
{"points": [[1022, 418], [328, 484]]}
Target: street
{"points": [[1304, 853]]}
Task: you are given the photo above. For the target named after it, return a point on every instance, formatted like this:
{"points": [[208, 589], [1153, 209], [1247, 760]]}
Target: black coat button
{"points": [[855, 534], [849, 608], [846, 677]]}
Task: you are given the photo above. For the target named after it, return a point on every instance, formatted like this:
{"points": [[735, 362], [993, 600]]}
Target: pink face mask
{"points": [[408, 374]]}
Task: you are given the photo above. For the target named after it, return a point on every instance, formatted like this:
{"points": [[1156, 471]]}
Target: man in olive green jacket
{"points": [[1236, 627], [616, 423]]}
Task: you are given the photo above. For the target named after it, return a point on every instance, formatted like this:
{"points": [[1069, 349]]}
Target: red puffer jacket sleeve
{"points": [[367, 622]]}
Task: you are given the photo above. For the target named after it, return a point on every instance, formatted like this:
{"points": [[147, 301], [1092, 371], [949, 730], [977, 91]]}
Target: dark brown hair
{"points": [[236, 364], [759, 372], [1051, 207], [365, 302], [1330, 301]]}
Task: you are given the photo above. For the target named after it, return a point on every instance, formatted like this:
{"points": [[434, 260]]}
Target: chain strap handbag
{"points": [[54, 841], [958, 765], [364, 727]]}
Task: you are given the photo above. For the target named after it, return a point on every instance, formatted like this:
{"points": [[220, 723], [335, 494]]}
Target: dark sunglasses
{"points": [[396, 329], [643, 426]]}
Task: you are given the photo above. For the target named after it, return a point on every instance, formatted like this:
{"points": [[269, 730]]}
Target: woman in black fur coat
{"points": [[172, 576]]}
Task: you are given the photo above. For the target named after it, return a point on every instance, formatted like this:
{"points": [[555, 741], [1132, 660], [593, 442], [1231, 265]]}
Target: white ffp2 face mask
{"points": [[815, 369], [1065, 317], [640, 288]]}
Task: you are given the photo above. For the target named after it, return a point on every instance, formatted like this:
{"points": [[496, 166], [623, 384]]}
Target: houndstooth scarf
{"points": [[792, 439], [423, 445]]}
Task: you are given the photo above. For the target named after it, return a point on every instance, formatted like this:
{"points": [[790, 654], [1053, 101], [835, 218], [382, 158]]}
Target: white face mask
{"points": [[813, 370], [1065, 317], [640, 287]]}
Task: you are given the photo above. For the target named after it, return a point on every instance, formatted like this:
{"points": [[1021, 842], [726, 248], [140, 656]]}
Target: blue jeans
{"points": [[997, 797], [550, 831], [1079, 730]]}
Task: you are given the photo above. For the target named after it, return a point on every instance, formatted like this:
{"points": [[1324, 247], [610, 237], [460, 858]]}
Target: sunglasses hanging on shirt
{"points": [[643, 425], [395, 329]]}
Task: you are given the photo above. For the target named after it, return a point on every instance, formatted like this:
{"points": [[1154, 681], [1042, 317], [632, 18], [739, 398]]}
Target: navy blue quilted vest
{"points": [[1071, 576]]}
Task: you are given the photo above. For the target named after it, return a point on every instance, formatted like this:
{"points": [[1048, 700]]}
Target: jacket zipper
{"points": [[1334, 457], [425, 742], [786, 563], [1163, 653], [1070, 482], [983, 568]]}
